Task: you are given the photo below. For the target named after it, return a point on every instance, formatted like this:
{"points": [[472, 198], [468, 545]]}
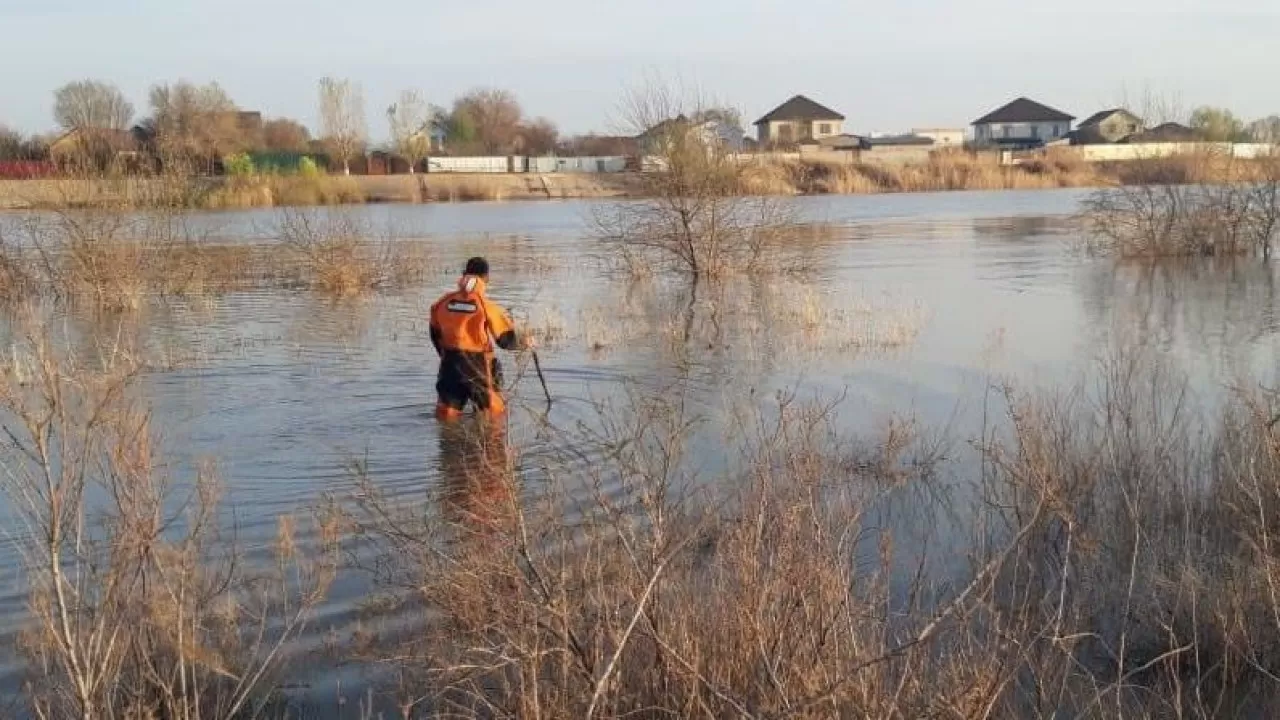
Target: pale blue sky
{"points": [[891, 66]]}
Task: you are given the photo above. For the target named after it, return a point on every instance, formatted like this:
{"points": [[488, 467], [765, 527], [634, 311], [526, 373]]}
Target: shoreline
{"points": [[802, 178]]}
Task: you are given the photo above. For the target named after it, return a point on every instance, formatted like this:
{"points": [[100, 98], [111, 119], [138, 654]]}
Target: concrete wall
{"points": [[468, 164], [817, 153], [897, 154], [523, 164], [604, 164], [943, 137], [1146, 151]]}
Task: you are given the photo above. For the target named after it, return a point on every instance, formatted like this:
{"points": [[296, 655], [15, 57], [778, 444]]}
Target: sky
{"points": [[888, 67]]}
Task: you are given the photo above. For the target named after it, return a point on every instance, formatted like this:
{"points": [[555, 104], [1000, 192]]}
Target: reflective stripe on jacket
{"points": [[466, 321]]}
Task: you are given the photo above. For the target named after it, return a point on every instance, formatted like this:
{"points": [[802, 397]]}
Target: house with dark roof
{"points": [[1107, 126], [1023, 123], [712, 133], [1170, 132], [796, 120]]}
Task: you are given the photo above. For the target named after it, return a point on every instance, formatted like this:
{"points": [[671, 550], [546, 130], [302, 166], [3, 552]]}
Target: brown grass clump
{"points": [[332, 254], [945, 170], [262, 191], [112, 259], [471, 189]]}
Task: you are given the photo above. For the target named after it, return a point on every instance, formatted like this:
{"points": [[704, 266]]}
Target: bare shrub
{"points": [[336, 256], [649, 600], [111, 257], [1121, 562], [138, 609], [692, 217], [1235, 213]]}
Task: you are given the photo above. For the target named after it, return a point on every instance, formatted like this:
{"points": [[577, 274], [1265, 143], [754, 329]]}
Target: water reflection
{"points": [[476, 486], [1021, 229], [1216, 315]]}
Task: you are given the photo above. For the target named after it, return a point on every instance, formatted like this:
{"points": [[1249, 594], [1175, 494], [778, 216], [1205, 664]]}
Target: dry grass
{"points": [[862, 323], [282, 191], [137, 610], [946, 170], [334, 255], [114, 260], [1118, 565], [180, 190]]}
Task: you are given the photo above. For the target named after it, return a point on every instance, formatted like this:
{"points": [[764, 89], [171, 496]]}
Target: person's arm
{"points": [[500, 326], [436, 334]]}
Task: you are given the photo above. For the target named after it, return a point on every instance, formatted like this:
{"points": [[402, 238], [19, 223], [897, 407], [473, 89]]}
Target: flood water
{"points": [[956, 290]]}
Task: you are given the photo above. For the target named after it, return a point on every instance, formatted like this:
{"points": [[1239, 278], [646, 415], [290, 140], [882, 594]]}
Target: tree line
{"points": [[203, 124]]}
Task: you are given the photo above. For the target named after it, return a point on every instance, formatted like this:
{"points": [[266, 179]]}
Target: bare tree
{"points": [[539, 137], [1153, 106], [410, 121], [1265, 130], [283, 134], [1218, 124], [492, 118], [342, 118], [10, 143], [194, 122], [697, 218], [91, 104]]}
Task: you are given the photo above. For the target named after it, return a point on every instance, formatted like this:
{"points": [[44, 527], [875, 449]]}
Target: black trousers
{"points": [[464, 378]]}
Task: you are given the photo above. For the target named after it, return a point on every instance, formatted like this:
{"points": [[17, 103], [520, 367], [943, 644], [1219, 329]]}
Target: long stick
{"points": [[537, 365]]}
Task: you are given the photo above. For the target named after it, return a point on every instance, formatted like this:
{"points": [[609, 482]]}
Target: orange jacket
{"points": [[466, 321]]}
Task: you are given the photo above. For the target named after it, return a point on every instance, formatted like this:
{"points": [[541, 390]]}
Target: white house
{"points": [[1022, 123]]}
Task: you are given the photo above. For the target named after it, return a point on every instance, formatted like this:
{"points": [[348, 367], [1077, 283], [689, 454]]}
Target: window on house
{"points": [[824, 129], [785, 133], [1035, 131], [1006, 131]]}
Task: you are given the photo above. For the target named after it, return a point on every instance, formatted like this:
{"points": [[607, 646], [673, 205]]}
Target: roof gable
{"points": [[800, 108], [1167, 132], [1024, 110], [1099, 117]]}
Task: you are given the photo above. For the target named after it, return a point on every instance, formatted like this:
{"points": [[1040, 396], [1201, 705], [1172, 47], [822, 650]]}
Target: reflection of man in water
{"points": [[476, 474]]}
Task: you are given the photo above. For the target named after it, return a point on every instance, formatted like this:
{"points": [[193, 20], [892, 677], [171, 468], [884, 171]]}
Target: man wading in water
{"points": [[464, 327]]}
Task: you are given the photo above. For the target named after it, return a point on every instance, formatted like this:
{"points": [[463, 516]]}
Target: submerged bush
{"points": [[1118, 563], [1238, 214]]}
